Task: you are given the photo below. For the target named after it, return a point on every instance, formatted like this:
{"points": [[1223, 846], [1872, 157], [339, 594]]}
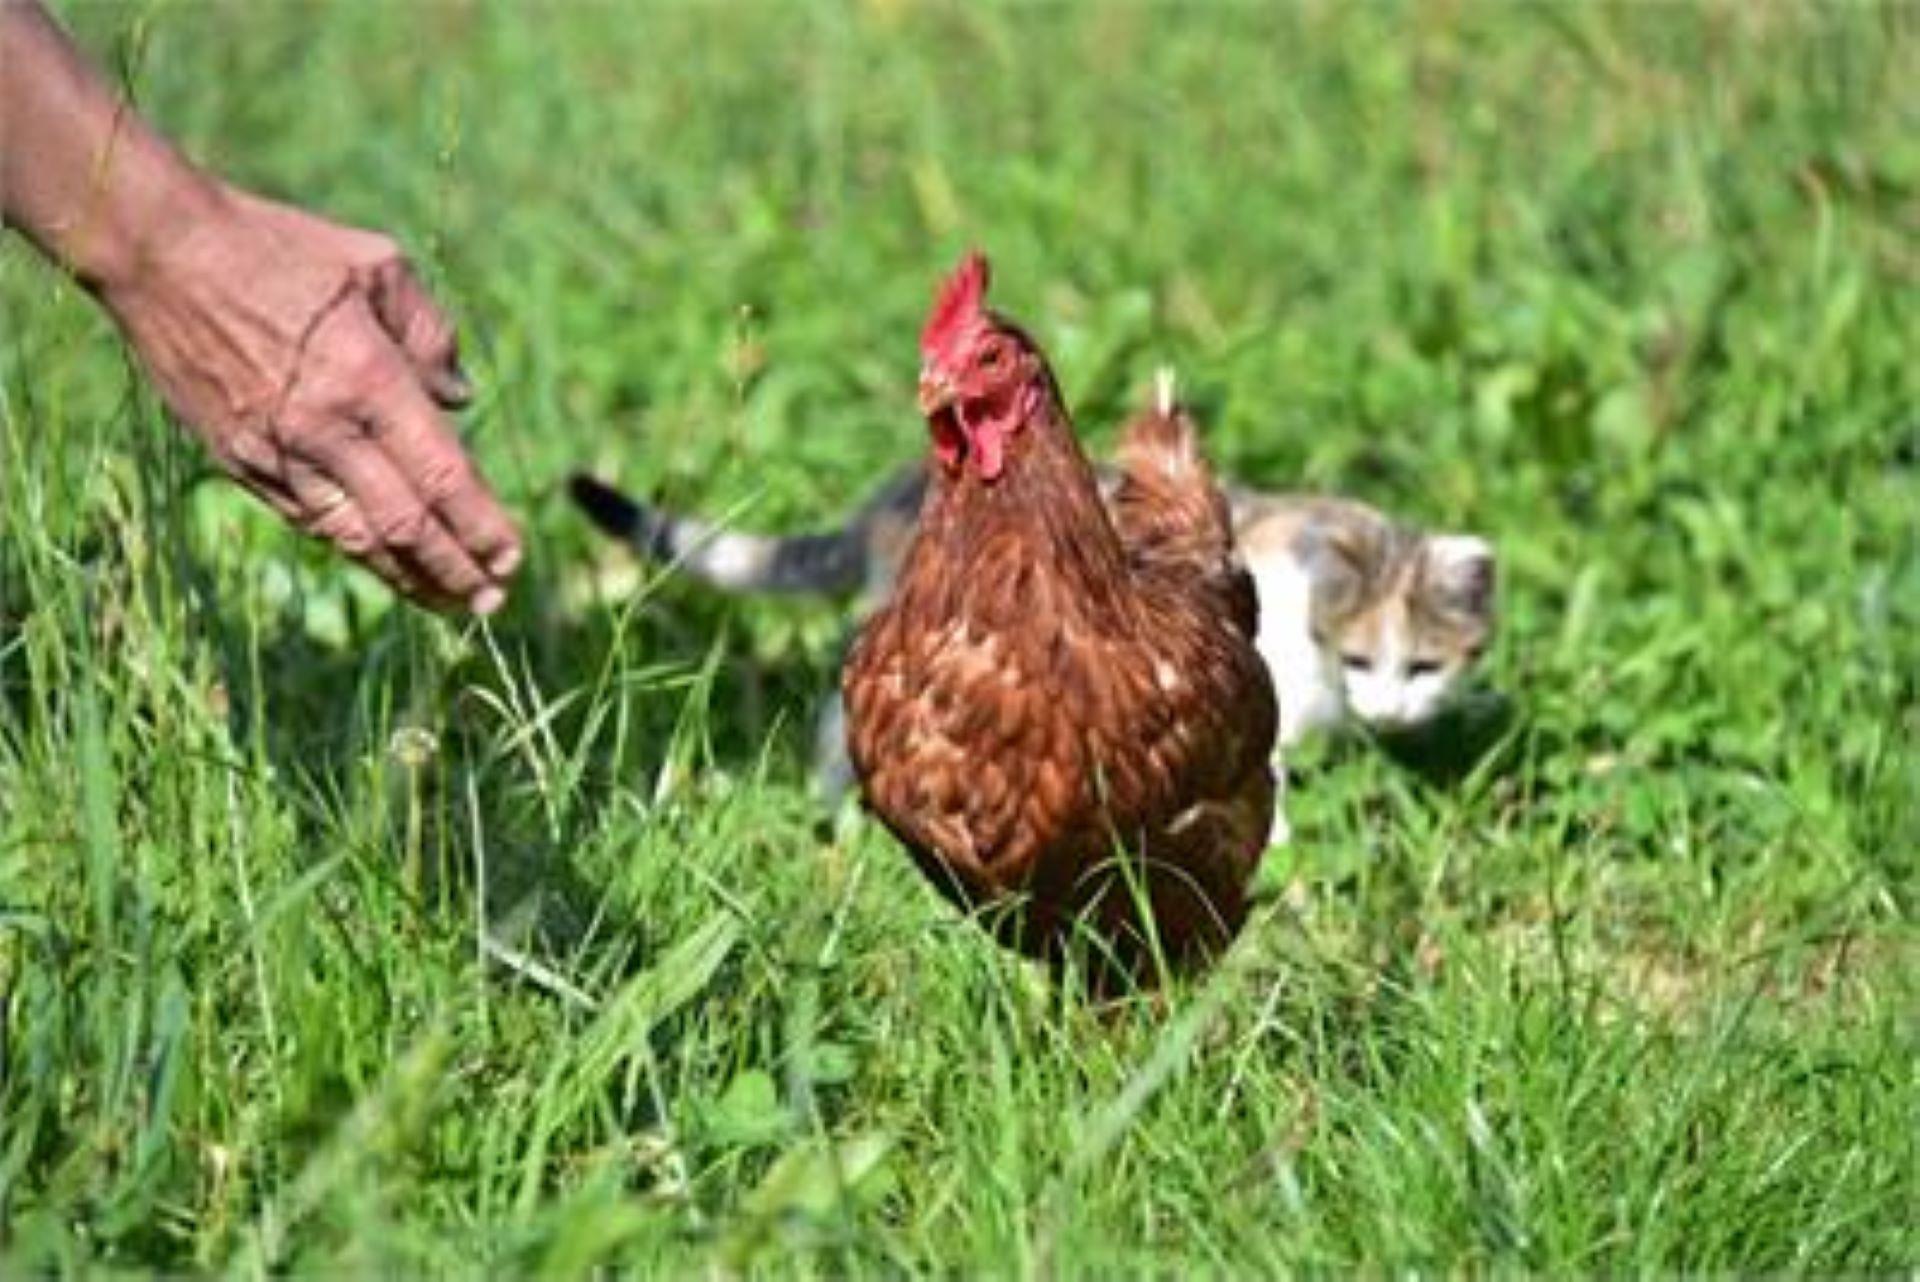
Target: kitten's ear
{"points": [[1336, 559], [1461, 569]]}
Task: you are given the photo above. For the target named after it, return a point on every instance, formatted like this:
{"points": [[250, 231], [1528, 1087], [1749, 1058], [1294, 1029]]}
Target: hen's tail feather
{"points": [[1167, 506], [830, 562], [1161, 441]]}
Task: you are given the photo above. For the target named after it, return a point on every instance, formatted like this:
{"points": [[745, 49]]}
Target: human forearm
{"points": [[80, 173], [305, 354]]}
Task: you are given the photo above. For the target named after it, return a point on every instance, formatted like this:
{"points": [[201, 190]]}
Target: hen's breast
{"points": [[1020, 760], [963, 745]]}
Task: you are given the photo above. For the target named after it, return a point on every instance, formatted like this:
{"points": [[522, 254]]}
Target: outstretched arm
{"points": [[304, 354]]}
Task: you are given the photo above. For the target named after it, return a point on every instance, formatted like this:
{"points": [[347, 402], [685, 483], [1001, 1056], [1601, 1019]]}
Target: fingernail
{"points": [[504, 562], [452, 391], [487, 600], [458, 384]]}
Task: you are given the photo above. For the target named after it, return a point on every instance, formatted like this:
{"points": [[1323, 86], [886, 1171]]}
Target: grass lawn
{"points": [[334, 937]]}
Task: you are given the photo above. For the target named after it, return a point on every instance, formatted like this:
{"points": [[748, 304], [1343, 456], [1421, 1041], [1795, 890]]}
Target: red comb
{"points": [[958, 302]]}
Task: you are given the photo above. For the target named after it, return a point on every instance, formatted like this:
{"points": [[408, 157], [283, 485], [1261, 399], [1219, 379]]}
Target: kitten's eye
{"points": [[1357, 662], [1423, 667]]}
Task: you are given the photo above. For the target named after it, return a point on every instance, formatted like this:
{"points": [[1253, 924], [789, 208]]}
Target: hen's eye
{"points": [[990, 357], [1357, 662], [1423, 667]]}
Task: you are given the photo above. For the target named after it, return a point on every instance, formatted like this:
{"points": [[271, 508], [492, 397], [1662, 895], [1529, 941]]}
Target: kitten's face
{"points": [[1404, 615]]}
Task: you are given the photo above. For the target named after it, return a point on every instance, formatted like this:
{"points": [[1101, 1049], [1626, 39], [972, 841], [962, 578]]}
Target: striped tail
{"points": [[834, 562]]}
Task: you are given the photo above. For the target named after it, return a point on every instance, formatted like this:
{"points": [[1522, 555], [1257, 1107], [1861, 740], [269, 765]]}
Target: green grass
{"points": [[334, 937]]}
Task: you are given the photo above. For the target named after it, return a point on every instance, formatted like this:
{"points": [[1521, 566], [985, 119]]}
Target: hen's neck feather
{"points": [[1046, 504]]}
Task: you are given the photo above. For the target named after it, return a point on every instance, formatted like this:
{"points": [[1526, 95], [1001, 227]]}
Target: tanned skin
{"points": [[305, 355]]}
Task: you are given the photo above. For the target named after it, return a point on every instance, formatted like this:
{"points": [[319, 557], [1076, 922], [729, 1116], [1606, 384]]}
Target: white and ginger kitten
{"points": [[1362, 620]]}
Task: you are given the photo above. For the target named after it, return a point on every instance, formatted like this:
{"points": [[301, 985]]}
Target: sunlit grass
{"points": [[336, 937]]}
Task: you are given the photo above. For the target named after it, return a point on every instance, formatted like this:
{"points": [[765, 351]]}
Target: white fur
{"points": [[735, 562], [1388, 693], [1305, 680], [1455, 553]]}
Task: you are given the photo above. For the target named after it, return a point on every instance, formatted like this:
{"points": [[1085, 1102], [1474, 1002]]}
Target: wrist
{"points": [[81, 174], [148, 200]]}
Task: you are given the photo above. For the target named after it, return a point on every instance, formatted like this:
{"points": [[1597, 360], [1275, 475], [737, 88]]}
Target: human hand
{"points": [[314, 366]]}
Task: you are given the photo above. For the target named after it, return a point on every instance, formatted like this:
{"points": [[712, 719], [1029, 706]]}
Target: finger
{"points": [[256, 464], [306, 500], [302, 496], [422, 331], [415, 438], [399, 523], [330, 511]]}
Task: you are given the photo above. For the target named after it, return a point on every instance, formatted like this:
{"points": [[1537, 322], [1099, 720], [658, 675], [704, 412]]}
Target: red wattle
{"points": [[986, 443], [989, 450]]}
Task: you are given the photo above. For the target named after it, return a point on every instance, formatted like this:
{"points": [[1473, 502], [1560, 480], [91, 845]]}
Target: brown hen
{"points": [[1061, 709]]}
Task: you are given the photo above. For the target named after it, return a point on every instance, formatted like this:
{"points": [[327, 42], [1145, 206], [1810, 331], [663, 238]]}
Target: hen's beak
{"points": [[936, 390]]}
